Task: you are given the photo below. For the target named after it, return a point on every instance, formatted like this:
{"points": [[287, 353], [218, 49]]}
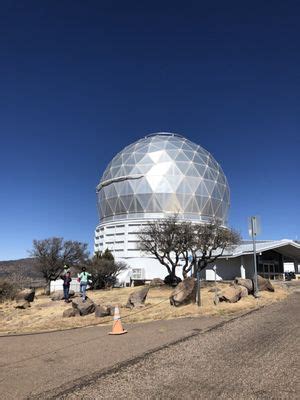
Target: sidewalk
{"points": [[31, 365]]}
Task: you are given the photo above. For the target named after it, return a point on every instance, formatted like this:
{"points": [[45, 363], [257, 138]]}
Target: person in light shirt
{"points": [[83, 278]]}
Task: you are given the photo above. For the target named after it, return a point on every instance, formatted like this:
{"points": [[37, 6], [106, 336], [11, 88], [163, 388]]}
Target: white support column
{"points": [[242, 268]]}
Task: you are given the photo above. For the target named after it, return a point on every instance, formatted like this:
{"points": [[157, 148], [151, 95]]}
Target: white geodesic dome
{"points": [[161, 174]]}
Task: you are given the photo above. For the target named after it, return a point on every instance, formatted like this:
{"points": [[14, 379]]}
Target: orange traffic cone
{"points": [[117, 325]]}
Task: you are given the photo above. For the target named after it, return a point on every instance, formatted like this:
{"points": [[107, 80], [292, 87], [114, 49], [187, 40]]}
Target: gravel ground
{"points": [[254, 357]]}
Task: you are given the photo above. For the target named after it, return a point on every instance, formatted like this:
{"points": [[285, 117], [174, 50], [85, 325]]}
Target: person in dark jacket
{"points": [[66, 277]]}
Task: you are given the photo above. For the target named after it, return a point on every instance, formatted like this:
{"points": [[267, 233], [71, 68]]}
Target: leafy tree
{"points": [[104, 269], [107, 255], [52, 254]]}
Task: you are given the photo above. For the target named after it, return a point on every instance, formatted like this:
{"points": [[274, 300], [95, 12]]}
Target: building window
{"points": [[137, 273]]}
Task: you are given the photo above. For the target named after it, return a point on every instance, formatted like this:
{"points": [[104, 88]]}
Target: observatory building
{"points": [[165, 173], [159, 175]]}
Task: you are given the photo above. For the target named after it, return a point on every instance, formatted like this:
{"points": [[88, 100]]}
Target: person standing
{"points": [[84, 278], [66, 277]]}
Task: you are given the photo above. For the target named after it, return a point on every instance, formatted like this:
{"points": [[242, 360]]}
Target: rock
{"points": [[184, 293], [71, 312], [214, 289], [102, 311], [232, 294], [157, 282], [84, 308], [244, 291], [59, 295], [111, 310], [22, 304], [26, 295], [137, 298], [264, 284], [247, 283]]}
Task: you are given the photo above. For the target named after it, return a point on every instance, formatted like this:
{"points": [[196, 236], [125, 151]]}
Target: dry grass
{"points": [[45, 314]]}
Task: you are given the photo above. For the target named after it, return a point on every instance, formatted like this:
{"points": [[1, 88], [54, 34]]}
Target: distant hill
{"points": [[25, 266]]}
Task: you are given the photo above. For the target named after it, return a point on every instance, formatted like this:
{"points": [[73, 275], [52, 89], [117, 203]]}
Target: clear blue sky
{"points": [[79, 80]]}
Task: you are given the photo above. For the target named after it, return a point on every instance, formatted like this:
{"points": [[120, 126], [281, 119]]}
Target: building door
{"points": [[268, 271]]}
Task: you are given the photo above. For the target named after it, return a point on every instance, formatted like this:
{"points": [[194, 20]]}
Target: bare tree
{"points": [[166, 240], [52, 254], [209, 242], [104, 269], [173, 241]]}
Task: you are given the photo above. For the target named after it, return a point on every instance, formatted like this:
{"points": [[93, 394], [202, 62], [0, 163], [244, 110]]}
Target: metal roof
{"points": [[286, 247]]}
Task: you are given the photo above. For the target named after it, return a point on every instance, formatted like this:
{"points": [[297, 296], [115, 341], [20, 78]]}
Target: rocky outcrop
{"points": [[137, 298], [84, 307], [184, 293], [25, 295]]}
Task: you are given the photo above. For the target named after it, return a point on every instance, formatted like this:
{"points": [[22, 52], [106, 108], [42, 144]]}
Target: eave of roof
{"points": [[247, 249]]}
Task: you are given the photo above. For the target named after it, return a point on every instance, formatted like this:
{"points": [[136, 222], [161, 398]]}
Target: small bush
{"points": [[8, 290]]}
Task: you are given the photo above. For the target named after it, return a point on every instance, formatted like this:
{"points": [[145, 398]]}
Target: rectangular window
{"points": [[137, 273]]}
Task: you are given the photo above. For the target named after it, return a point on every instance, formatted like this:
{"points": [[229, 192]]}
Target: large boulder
{"points": [[110, 309], [84, 307], [22, 304], [157, 282], [247, 283], [26, 295], [232, 294], [244, 291], [102, 311], [59, 295], [71, 312], [263, 284], [184, 293], [137, 298]]}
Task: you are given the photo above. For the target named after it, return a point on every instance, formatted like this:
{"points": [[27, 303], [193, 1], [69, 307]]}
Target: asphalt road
{"points": [[41, 365], [253, 357]]}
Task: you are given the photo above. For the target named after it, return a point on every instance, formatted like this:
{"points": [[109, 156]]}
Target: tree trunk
{"points": [[47, 288]]}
